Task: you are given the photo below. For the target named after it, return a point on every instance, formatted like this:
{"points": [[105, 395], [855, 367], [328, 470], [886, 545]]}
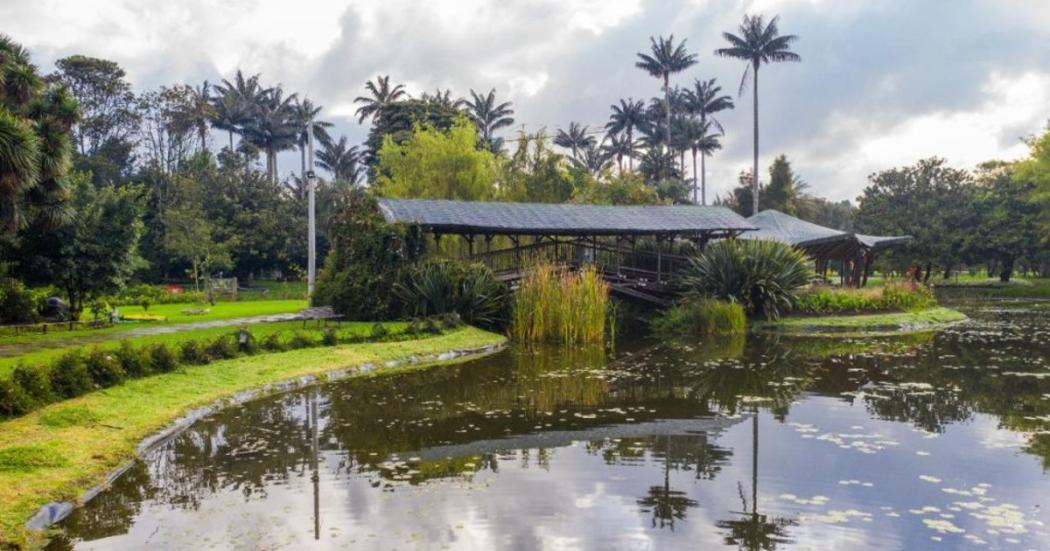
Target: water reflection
{"points": [[751, 444]]}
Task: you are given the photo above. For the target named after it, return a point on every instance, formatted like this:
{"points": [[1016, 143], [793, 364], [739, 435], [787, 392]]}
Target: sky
{"points": [[882, 83]]}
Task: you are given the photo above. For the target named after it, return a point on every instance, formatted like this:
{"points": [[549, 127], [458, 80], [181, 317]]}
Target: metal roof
{"points": [[479, 217], [777, 226]]}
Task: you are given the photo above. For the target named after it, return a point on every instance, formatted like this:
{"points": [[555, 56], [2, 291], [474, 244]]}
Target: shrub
{"points": [[14, 400], [451, 321], [414, 327], [430, 326], [553, 305], [379, 332], [908, 296], [18, 304], [162, 359], [70, 377], [301, 340], [193, 352], [762, 276], [134, 361], [699, 317], [221, 348], [893, 296], [246, 342], [104, 368], [272, 343], [35, 381], [439, 287], [329, 337]]}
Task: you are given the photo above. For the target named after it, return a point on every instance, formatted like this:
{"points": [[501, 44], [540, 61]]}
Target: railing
{"points": [[51, 327]]}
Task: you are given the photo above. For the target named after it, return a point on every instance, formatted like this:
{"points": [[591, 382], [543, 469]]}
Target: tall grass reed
{"points": [[553, 304]]}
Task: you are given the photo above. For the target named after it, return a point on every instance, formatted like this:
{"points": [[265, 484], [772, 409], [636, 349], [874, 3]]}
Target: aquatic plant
{"points": [[894, 296], [554, 305], [700, 317], [762, 276]]}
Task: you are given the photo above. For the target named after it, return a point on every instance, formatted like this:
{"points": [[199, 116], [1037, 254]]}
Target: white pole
{"points": [[311, 219]]}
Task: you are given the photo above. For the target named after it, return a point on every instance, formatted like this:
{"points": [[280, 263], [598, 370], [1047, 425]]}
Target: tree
{"points": [[623, 189], [617, 146], [305, 114], [757, 44], [190, 235], [1035, 171], [437, 165], [625, 118], [1008, 230], [94, 253], [575, 138], [234, 103], [342, 160], [785, 188], [701, 139], [535, 173], [663, 60], [107, 104], [36, 119], [399, 120], [488, 116], [704, 100], [273, 126], [593, 160], [382, 97], [165, 136]]}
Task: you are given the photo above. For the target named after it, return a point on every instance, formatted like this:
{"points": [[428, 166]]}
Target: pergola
{"points": [[854, 251], [626, 242]]}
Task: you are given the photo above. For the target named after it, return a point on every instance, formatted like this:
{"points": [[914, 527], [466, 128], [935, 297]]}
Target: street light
{"points": [[311, 224]]}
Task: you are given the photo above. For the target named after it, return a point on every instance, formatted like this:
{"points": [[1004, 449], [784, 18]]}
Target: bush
{"points": [[379, 332], [892, 297], [762, 276], [440, 287], [300, 340], [14, 400], [272, 343], [134, 361], [162, 359], [35, 381], [329, 337], [430, 326], [70, 377], [246, 342], [699, 317], [193, 352], [18, 303], [908, 296], [104, 368], [222, 348]]}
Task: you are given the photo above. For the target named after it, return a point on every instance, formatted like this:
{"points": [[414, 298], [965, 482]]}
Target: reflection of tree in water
{"points": [[112, 512]]}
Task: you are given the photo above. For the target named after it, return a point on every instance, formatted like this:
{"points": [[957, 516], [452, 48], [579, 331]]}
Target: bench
{"points": [[321, 314]]}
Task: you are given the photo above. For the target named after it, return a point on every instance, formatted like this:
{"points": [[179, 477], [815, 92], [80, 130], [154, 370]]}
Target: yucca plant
{"points": [[438, 287], [763, 276]]}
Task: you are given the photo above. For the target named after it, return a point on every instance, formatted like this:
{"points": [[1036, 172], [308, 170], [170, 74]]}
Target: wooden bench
{"points": [[321, 314]]}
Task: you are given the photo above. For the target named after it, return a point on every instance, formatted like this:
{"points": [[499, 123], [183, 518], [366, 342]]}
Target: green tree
{"points": [[381, 96], [234, 102], [535, 173], [273, 126], [624, 119], [304, 115], [704, 100], [437, 165], [757, 44], [663, 60], [489, 117], [1008, 230], [785, 189], [340, 159], [107, 103], [574, 138], [190, 235], [399, 120], [1035, 171], [622, 189]]}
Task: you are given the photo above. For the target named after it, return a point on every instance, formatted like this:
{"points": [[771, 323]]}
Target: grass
{"points": [[555, 305], [62, 450], [259, 330], [700, 317], [921, 319]]}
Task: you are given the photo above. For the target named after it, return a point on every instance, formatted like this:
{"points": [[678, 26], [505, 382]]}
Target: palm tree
{"points": [[273, 128], [704, 100], [618, 146], [488, 116], [757, 44], [593, 159], [703, 139], [199, 112], [575, 138], [235, 103], [627, 116], [440, 98], [666, 59], [305, 114], [382, 96], [341, 160]]}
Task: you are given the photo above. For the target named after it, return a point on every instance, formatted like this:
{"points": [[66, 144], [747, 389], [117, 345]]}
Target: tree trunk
{"points": [[694, 176], [630, 149], [703, 179], [667, 114], [754, 170], [1007, 270], [302, 159], [948, 272], [929, 269], [231, 140]]}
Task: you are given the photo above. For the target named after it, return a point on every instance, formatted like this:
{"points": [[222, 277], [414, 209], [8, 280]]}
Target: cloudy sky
{"points": [[882, 83]]}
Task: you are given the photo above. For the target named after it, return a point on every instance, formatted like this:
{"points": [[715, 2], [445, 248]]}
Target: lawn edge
{"points": [[875, 325]]}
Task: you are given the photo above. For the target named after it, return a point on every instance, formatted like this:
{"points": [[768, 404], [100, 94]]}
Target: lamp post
{"points": [[311, 255]]}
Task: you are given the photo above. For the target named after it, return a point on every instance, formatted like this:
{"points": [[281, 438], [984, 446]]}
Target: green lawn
{"points": [[259, 330], [894, 321], [173, 313], [58, 452]]}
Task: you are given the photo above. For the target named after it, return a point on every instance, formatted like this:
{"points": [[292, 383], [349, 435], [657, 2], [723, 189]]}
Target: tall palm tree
{"points": [[200, 112], [305, 114], [488, 116], [703, 139], [273, 128], [341, 159], [592, 159], [441, 98], [575, 138], [704, 100], [664, 59], [625, 118], [382, 95], [618, 146], [235, 103], [757, 44]]}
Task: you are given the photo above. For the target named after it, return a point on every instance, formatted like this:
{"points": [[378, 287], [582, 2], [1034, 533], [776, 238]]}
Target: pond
{"points": [[759, 443]]}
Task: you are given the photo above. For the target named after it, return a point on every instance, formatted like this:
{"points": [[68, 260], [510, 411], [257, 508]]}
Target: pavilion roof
{"points": [[817, 240], [501, 218]]}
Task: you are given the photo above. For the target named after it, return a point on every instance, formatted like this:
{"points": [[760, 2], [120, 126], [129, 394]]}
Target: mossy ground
{"points": [[875, 324], [60, 451]]}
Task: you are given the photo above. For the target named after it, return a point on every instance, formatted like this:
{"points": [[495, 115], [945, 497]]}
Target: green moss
{"points": [[872, 323], [125, 414]]}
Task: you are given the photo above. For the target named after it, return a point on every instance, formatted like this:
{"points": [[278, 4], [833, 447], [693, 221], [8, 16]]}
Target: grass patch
{"points": [[555, 305], [129, 412], [700, 317], [895, 321], [24, 459], [68, 417]]}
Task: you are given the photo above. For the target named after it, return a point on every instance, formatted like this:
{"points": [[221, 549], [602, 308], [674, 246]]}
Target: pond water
{"points": [[924, 441]]}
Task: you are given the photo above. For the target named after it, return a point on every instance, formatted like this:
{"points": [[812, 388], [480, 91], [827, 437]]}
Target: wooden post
{"points": [[659, 260], [470, 244]]}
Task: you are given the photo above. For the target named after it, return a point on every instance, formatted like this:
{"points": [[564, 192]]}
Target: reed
{"points": [[554, 305], [699, 317]]}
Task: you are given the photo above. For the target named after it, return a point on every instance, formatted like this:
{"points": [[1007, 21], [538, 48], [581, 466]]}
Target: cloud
{"points": [[881, 84]]}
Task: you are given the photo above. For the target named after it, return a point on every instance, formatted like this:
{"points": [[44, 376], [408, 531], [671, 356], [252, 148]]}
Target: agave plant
{"points": [[762, 276], [436, 287]]}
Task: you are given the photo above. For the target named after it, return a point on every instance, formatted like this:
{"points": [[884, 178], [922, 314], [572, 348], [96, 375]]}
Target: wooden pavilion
{"points": [[852, 252], [632, 246]]}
